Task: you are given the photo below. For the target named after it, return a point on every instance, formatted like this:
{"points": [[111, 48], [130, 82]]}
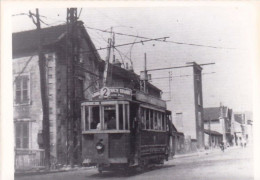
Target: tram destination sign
{"points": [[112, 92]]}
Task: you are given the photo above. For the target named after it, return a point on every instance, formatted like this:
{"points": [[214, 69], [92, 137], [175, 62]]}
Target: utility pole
{"points": [[72, 58], [44, 92], [105, 81], [145, 74], [144, 77]]}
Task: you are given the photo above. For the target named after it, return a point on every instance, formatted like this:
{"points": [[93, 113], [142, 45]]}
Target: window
{"points": [[163, 121], [126, 116], [22, 89], [156, 127], [22, 135], [121, 117], [147, 119], [110, 117], [142, 118], [151, 118], [159, 121], [94, 117], [86, 118]]}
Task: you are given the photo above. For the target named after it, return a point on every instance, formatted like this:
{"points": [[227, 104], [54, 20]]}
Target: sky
{"points": [[229, 28]]}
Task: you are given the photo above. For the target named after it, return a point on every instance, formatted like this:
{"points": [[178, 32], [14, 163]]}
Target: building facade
{"points": [[187, 105], [217, 121], [27, 97], [242, 128]]}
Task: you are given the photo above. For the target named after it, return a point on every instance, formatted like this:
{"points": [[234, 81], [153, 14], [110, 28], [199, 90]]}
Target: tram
{"points": [[122, 128]]}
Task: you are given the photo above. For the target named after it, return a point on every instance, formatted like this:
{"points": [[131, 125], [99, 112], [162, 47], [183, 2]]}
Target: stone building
{"points": [[187, 105], [27, 96]]}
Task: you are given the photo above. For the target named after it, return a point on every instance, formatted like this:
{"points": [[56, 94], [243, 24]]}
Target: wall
{"points": [[214, 126], [182, 101], [30, 111], [187, 100], [87, 80]]}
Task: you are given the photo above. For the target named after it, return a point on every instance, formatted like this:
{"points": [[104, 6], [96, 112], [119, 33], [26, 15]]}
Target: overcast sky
{"points": [[230, 28]]}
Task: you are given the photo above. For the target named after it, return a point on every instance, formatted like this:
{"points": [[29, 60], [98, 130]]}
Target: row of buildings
{"points": [[205, 127], [195, 126], [88, 77]]}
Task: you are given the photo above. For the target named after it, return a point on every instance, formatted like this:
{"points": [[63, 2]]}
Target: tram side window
{"points": [[110, 117], [86, 118], [126, 117], [94, 117], [167, 122], [121, 117], [159, 120], [147, 119], [163, 122], [142, 118], [156, 127], [151, 119]]}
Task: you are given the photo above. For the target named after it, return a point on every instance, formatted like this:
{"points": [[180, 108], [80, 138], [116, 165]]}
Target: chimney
{"points": [[117, 63]]}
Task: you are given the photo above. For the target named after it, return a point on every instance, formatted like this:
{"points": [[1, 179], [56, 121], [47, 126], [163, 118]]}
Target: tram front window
{"points": [[110, 117], [94, 117]]}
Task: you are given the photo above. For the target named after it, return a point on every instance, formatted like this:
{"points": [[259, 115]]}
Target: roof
{"points": [[28, 40], [212, 132], [211, 113], [132, 75], [239, 118]]}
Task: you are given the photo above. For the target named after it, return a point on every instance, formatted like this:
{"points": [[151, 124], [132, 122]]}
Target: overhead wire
{"points": [[126, 44], [168, 41]]}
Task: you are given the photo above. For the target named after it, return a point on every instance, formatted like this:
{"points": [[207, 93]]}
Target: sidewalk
{"points": [[204, 152], [44, 171]]}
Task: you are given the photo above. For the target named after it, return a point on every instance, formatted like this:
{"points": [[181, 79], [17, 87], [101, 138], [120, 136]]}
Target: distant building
{"points": [[242, 127], [217, 121], [186, 103], [212, 138]]}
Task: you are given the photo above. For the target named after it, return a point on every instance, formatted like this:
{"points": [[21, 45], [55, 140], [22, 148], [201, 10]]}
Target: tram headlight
{"points": [[100, 147]]}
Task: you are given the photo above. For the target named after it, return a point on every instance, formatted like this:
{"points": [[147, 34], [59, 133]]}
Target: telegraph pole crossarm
{"points": [[176, 67]]}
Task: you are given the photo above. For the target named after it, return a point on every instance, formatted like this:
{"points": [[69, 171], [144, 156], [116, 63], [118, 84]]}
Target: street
{"points": [[234, 163]]}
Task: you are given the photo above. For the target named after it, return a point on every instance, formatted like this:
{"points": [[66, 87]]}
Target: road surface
{"points": [[234, 163]]}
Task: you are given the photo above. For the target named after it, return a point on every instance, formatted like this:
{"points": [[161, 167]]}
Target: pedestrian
{"points": [[221, 145]]}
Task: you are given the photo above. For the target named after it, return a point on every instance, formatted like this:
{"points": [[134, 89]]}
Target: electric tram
{"points": [[122, 128]]}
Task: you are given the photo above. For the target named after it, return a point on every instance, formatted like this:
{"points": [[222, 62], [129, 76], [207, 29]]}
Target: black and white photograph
{"points": [[129, 90]]}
